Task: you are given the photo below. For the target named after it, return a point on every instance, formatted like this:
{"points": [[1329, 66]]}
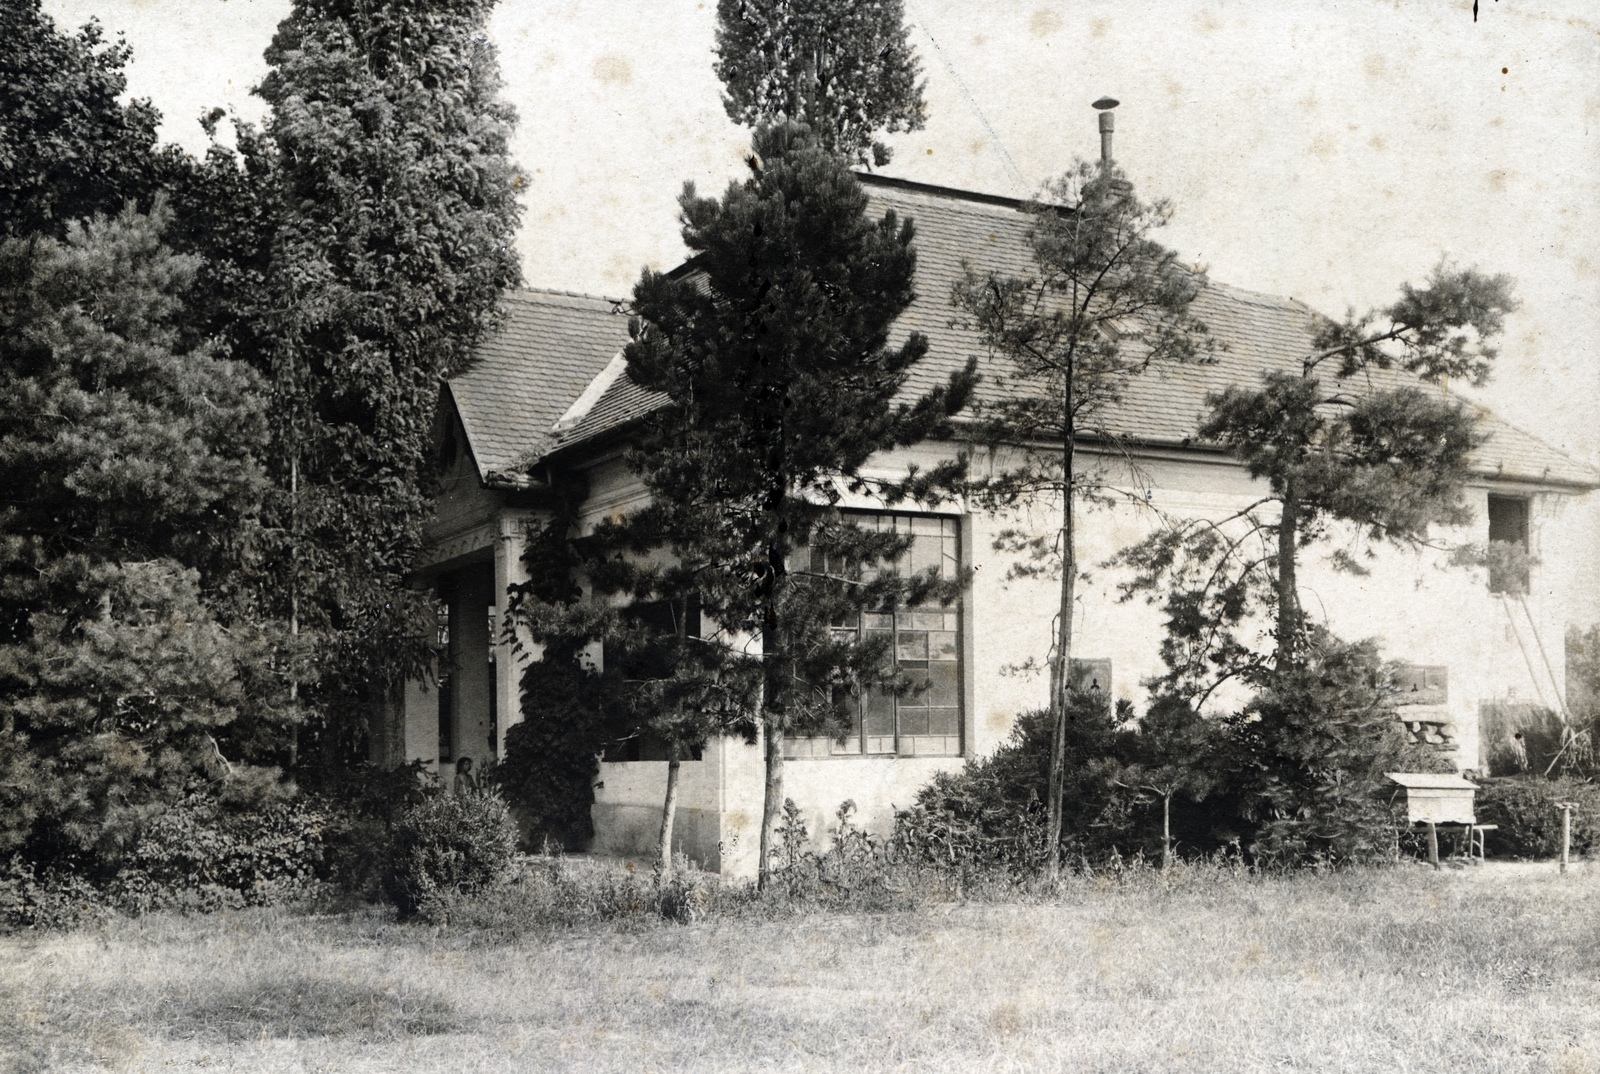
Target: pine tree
{"points": [[842, 67], [393, 244], [660, 679], [1106, 302], [1173, 754], [130, 462], [1369, 449], [773, 353]]}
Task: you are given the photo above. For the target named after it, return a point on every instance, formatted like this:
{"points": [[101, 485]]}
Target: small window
{"points": [[1092, 678], [1508, 544], [1422, 684]]}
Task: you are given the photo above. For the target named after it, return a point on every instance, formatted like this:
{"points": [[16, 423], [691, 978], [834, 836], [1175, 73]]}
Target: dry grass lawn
{"points": [[1488, 969]]}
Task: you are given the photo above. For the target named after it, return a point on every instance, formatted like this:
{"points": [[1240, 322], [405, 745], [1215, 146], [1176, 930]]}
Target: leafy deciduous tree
{"points": [[69, 147], [388, 259]]}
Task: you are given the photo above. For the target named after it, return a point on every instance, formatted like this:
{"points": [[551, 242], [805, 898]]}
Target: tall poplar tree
{"points": [[394, 243], [772, 350], [844, 68], [1105, 302]]}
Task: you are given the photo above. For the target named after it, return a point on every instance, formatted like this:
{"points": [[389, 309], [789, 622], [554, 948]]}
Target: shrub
{"points": [[542, 895], [52, 899], [1526, 810], [569, 715], [855, 873], [990, 815], [1315, 744], [448, 844], [203, 854], [363, 804]]}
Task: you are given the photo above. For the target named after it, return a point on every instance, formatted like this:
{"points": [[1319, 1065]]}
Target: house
{"points": [[549, 397]]}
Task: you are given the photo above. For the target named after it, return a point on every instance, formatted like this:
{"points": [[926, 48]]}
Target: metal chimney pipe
{"points": [[1107, 124]]}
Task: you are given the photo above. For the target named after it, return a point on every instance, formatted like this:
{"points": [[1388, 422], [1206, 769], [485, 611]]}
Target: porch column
{"points": [[509, 570]]}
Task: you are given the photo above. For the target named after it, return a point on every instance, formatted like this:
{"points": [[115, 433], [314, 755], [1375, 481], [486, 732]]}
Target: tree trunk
{"points": [[1288, 638], [1166, 830], [1061, 667], [772, 803], [294, 606], [773, 647], [669, 810]]}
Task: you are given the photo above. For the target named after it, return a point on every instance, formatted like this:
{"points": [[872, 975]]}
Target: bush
{"points": [[542, 895], [856, 872], [363, 804], [202, 854], [1530, 822], [445, 845], [1315, 744], [53, 899], [990, 816]]}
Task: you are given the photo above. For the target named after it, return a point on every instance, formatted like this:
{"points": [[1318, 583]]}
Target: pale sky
{"points": [[1326, 150]]}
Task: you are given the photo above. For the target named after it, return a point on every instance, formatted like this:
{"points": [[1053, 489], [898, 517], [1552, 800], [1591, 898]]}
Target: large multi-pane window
{"points": [[924, 647]]}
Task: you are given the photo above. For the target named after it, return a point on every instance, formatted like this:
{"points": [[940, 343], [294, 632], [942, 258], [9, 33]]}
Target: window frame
{"points": [[1499, 584], [956, 621]]}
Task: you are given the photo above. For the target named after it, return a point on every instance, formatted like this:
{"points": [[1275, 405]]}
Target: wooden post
{"points": [[1433, 845], [1566, 832]]}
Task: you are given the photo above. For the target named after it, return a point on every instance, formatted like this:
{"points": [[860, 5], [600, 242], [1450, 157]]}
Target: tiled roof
{"points": [[1256, 332], [548, 349]]}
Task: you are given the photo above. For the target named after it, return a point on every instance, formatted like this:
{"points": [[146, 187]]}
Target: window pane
{"points": [[878, 622], [930, 746], [942, 645], [946, 721], [879, 717], [943, 687], [911, 645]]}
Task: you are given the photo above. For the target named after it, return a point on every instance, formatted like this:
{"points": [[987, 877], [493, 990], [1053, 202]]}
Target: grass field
{"points": [[1494, 968]]}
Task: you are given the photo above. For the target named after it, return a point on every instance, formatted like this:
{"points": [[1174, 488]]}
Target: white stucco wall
{"points": [[1421, 610]]}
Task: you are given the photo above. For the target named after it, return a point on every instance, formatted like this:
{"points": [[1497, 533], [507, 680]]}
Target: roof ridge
{"points": [[912, 186], [535, 294], [1260, 298]]}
